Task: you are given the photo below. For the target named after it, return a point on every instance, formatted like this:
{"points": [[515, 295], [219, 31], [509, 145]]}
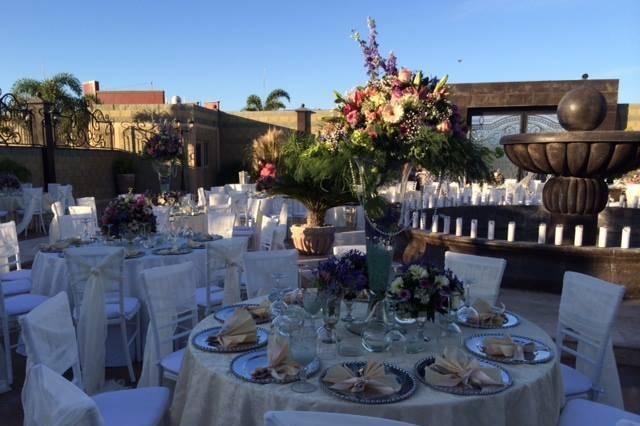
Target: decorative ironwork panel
{"points": [[135, 134], [539, 123], [16, 121], [488, 129], [82, 128]]}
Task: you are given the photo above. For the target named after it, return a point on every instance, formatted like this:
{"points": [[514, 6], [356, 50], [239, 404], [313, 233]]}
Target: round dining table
{"points": [[207, 393]]}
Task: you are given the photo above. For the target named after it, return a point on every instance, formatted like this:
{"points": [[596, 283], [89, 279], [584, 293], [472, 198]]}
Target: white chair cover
{"points": [[91, 203], [220, 223], [50, 338], [279, 235], [217, 189], [283, 217], [218, 200], [267, 229], [340, 250], [65, 193], [203, 196], [162, 218], [48, 399], [336, 216], [230, 251], [9, 247], [78, 213], [73, 225], [588, 306], [31, 202], [315, 418], [482, 274], [168, 291], [260, 267], [57, 209], [93, 272]]}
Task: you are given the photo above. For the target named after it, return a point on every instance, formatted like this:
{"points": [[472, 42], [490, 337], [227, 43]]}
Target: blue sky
{"points": [[225, 50]]}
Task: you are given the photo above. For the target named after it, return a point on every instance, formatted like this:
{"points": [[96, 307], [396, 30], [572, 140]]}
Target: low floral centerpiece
{"points": [[128, 215], [9, 182], [166, 150], [166, 199]]}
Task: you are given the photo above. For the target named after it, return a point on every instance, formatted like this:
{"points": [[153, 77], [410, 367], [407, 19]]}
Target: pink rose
{"points": [[404, 75], [268, 171], [353, 117], [444, 127]]}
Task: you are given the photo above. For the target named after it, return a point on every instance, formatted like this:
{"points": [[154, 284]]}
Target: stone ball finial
{"points": [[582, 108]]}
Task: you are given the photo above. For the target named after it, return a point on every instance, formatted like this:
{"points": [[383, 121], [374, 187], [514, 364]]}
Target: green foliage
{"points": [[7, 165], [63, 89], [315, 174], [124, 165], [273, 101]]}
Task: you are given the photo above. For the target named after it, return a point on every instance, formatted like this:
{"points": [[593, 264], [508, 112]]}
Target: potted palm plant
{"points": [[308, 170]]}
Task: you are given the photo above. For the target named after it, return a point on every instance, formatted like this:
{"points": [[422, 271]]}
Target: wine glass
{"points": [[276, 295], [303, 351], [311, 300]]}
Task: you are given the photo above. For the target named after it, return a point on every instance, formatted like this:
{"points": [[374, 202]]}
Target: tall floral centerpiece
{"points": [[398, 120], [165, 149], [128, 215], [419, 292]]}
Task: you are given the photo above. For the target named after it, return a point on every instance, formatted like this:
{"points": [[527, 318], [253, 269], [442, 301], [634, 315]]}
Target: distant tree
{"points": [[273, 102], [63, 89]]}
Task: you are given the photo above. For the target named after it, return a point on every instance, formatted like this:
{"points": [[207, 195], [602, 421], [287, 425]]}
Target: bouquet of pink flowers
{"points": [[164, 146], [128, 214], [403, 116]]}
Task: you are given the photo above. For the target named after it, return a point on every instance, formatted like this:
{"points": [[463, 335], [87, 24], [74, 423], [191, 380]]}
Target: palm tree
{"points": [[63, 89], [272, 103]]}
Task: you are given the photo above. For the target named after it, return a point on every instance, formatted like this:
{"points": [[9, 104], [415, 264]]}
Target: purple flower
{"points": [[405, 295]]}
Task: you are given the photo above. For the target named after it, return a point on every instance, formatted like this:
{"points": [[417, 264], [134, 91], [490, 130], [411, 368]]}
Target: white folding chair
{"points": [[581, 412], [316, 418], [83, 263], [11, 308], [341, 250], [482, 274], [91, 203], [588, 307], [50, 399], [220, 223], [170, 298], [265, 270], [13, 278]]}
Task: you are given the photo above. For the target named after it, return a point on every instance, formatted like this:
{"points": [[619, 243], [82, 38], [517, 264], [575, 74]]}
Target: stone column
{"points": [[304, 120]]}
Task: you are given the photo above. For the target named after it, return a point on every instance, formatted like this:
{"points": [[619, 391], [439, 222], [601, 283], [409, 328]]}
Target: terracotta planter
{"points": [[125, 181], [313, 240]]}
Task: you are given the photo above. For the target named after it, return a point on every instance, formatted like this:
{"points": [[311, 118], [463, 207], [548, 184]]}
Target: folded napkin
{"points": [[293, 296], [455, 368], [280, 366], [371, 380], [262, 312], [507, 348], [195, 244], [486, 314], [240, 329]]}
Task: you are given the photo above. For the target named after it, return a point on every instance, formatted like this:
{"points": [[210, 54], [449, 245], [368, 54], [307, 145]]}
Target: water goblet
{"points": [[303, 351]]}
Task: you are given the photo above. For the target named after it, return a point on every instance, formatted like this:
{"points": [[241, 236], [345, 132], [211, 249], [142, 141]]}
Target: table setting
{"points": [[473, 361]]}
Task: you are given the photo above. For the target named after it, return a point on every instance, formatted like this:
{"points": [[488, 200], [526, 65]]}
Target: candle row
{"points": [[419, 221]]}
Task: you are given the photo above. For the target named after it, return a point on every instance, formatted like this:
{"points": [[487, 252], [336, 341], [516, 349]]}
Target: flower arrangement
{"points": [[420, 290], [403, 116], [345, 275], [498, 177], [167, 199], [631, 178], [128, 214], [9, 182], [164, 146]]}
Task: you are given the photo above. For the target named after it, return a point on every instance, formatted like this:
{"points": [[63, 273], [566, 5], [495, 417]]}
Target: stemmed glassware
{"points": [[348, 303], [276, 296], [303, 351], [312, 299]]}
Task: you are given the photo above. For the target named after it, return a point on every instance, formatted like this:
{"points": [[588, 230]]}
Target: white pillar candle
{"points": [[447, 225], [415, 219], [602, 237], [459, 227], [491, 230], [434, 223], [577, 239], [511, 232], [558, 235], [626, 237], [474, 228], [542, 233], [431, 201], [423, 221]]}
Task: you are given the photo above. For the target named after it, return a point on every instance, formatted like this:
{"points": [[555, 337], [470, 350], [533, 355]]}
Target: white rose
{"points": [[396, 285], [417, 272], [441, 281]]}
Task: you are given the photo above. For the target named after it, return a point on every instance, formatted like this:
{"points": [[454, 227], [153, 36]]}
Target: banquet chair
{"points": [[349, 238], [170, 298], [341, 250], [203, 196], [217, 190], [482, 274], [52, 190], [89, 202], [36, 194], [588, 307], [162, 215], [279, 235], [13, 278], [80, 214], [581, 412], [107, 265], [265, 269], [283, 217], [267, 229], [218, 200], [238, 202], [50, 399], [65, 194], [220, 223], [30, 205], [11, 308], [74, 225], [54, 227], [317, 418], [224, 259]]}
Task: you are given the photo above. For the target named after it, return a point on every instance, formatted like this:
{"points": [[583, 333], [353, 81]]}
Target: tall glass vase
{"points": [[165, 171]]}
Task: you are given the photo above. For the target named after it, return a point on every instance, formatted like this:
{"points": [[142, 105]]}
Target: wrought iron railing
{"points": [[82, 127], [16, 121]]}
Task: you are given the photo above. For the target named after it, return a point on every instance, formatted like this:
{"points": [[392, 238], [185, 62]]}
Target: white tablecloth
{"points": [[208, 394], [49, 271]]}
